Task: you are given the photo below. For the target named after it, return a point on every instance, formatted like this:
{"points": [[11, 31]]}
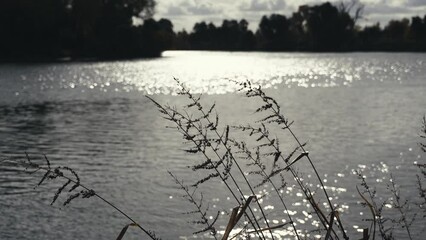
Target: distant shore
{"points": [[41, 59], [74, 59]]}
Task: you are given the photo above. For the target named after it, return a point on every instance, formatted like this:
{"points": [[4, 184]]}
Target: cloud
{"points": [[386, 9], [203, 9], [258, 5], [187, 7], [417, 3], [175, 11], [263, 5]]}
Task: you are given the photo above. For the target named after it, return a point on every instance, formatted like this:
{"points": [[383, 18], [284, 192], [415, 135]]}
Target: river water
{"points": [[356, 111]]}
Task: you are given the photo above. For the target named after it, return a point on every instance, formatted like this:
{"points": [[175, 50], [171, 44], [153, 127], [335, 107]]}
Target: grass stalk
{"points": [[265, 175], [273, 106], [227, 148], [57, 173], [172, 117]]}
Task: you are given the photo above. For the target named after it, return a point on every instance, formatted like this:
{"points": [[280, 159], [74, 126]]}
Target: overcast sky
{"points": [[184, 13]]}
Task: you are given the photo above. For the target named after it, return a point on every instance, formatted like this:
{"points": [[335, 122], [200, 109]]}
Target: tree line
{"points": [[325, 27], [100, 29]]}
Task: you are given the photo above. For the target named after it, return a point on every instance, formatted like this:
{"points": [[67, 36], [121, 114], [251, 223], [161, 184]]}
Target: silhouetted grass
{"points": [[71, 186], [199, 126], [268, 161]]}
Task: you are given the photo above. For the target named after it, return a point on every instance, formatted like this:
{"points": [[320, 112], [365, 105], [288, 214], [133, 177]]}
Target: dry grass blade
{"points": [[370, 206], [230, 225], [339, 221], [270, 228], [327, 236], [365, 235], [243, 209], [295, 160], [124, 230], [261, 230], [236, 216]]}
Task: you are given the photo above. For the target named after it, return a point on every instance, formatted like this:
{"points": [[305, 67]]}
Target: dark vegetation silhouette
{"points": [[111, 29], [324, 28], [54, 29]]}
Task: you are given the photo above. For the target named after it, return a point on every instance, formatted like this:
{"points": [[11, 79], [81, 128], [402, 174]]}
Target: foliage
{"points": [[323, 27], [53, 29]]}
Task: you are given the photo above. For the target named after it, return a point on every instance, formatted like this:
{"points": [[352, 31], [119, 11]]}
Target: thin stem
{"points": [[248, 153], [198, 206], [221, 177], [287, 126], [232, 157], [95, 194], [185, 132], [273, 105], [399, 207], [305, 190]]}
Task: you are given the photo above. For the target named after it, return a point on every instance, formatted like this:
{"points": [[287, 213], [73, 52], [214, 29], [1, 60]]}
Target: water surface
{"points": [[355, 110]]}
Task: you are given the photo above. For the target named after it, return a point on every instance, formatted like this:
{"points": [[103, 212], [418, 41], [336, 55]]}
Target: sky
{"points": [[185, 13]]}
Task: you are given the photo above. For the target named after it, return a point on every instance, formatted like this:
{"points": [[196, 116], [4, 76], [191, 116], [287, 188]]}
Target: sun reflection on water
{"points": [[211, 72]]}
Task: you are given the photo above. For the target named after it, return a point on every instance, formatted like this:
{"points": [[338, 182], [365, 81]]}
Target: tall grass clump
{"points": [[226, 157], [258, 160]]}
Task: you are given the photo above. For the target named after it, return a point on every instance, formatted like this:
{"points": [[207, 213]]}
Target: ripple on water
{"points": [[93, 117]]}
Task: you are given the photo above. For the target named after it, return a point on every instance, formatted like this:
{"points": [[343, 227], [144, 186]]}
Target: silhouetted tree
{"points": [[200, 38], [371, 37], [327, 27], [157, 36], [417, 33], [77, 28], [110, 26], [395, 34], [246, 40], [181, 42], [232, 35], [31, 27], [274, 33]]}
